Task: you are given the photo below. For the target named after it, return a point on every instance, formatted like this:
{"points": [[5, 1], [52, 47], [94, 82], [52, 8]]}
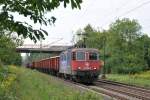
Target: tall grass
{"points": [[6, 80], [141, 79], [33, 85]]}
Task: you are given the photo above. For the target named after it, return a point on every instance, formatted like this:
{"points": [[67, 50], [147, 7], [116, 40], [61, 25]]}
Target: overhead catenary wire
{"points": [[128, 11], [118, 9], [135, 8], [84, 13], [109, 14]]}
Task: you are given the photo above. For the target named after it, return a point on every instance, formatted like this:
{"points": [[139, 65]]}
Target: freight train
{"points": [[78, 64]]}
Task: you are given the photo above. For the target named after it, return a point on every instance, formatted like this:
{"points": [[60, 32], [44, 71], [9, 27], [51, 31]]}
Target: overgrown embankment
{"points": [[141, 79], [7, 79], [24, 84]]}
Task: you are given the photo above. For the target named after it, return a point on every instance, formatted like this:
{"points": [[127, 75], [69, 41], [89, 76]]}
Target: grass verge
{"points": [[25, 84], [141, 79]]}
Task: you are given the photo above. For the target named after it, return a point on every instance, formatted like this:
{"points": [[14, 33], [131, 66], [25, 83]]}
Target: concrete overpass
{"points": [[37, 49]]}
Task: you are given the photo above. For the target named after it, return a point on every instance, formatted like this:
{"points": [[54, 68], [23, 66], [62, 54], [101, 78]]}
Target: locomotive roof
{"points": [[82, 49], [85, 49]]}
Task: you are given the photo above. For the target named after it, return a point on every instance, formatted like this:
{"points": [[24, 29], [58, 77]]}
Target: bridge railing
{"points": [[33, 46]]}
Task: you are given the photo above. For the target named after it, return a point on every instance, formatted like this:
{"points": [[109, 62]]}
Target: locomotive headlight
{"points": [[79, 67], [94, 67]]}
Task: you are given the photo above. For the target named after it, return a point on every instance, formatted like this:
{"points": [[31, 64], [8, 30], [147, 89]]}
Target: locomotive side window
{"points": [[80, 56], [93, 56], [73, 56]]}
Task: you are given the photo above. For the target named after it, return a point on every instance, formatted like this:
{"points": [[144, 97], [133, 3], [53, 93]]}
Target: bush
{"points": [[6, 81], [129, 70], [1, 63]]}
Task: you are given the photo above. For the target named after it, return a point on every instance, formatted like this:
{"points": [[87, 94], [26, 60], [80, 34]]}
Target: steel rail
{"points": [[137, 92], [140, 88], [104, 92]]}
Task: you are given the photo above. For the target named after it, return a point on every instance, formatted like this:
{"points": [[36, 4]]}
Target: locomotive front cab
{"points": [[85, 64]]}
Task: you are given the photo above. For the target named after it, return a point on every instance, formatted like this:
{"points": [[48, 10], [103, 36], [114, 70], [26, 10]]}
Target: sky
{"points": [[98, 13]]}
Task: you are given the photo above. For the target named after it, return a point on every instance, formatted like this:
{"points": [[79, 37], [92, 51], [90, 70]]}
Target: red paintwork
{"points": [[53, 64], [85, 65], [50, 63]]}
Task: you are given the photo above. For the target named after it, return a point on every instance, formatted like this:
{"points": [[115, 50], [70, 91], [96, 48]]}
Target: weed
{"points": [[33, 85], [141, 79]]}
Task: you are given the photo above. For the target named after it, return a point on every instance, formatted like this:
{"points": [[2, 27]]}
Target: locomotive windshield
{"points": [[85, 55], [93, 56], [80, 55]]}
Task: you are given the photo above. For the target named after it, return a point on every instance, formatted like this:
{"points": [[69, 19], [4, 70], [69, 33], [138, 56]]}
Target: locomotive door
{"points": [[69, 62]]}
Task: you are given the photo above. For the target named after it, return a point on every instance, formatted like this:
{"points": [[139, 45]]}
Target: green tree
{"points": [[123, 45], [144, 45], [93, 38], [126, 54], [33, 9], [8, 53]]}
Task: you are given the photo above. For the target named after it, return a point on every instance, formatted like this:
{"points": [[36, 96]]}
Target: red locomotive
{"points": [[78, 64]]}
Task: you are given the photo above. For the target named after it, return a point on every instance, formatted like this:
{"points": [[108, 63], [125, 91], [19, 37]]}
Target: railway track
{"points": [[112, 90], [122, 91]]}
